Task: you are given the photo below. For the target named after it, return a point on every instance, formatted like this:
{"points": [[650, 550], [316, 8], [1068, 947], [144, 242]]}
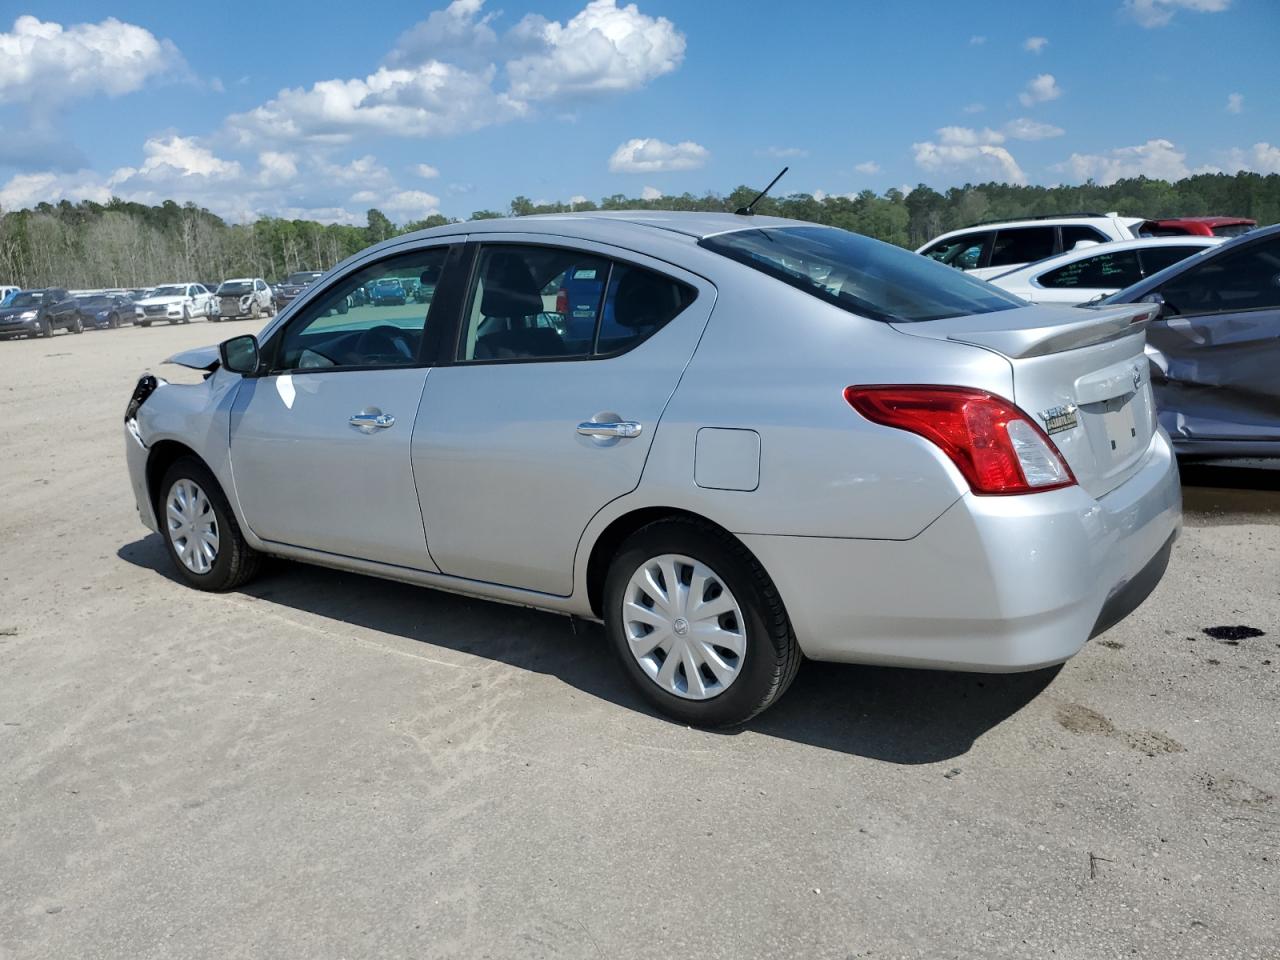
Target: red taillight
{"points": [[998, 448], [562, 301]]}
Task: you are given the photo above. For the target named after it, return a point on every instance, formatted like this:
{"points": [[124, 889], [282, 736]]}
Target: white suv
{"points": [[243, 297], [988, 249]]}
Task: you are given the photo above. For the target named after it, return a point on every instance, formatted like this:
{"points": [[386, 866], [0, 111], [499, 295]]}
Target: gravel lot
{"points": [[325, 765]]}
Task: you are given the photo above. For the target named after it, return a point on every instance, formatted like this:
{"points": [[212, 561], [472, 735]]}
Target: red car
{"points": [[1198, 227]]}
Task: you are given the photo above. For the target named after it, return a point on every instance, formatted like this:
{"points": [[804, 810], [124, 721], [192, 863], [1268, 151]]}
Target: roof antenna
{"points": [[749, 209]]}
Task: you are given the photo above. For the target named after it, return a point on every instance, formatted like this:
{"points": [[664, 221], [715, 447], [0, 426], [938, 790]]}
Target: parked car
{"points": [[103, 310], [292, 285], [1199, 227], [6, 292], [39, 313], [1215, 347], [724, 488], [995, 247], [389, 291], [177, 303], [1094, 272], [244, 297]]}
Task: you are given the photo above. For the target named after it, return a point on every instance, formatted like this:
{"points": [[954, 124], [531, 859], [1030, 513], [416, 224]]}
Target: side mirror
{"points": [[240, 355], [1158, 299]]}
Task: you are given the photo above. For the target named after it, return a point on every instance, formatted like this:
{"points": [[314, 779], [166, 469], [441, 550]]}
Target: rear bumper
{"points": [[994, 584]]}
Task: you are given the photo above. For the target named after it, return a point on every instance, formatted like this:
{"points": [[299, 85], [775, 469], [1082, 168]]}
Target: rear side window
{"points": [[1246, 279], [1156, 259], [1232, 229], [553, 303], [1022, 245], [1103, 270], [861, 275], [963, 252], [1071, 235]]}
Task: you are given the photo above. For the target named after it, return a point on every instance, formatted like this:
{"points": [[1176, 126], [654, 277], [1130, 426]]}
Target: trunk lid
{"points": [[1079, 372]]}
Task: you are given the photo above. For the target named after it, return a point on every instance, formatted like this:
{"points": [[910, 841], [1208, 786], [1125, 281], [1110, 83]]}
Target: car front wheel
{"points": [[200, 531], [697, 624]]}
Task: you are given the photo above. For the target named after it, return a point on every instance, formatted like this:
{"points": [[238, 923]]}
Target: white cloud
{"points": [[1039, 89], [650, 193], [577, 198], [434, 99], [973, 108], [46, 63], [28, 189], [969, 153], [783, 153], [1260, 158], [1159, 13], [648, 155], [277, 167], [602, 48], [1235, 103], [1035, 44], [1157, 159], [444, 75], [968, 137], [406, 205], [180, 156], [426, 171], [976, 40], [1024, 128], [869, 167]]}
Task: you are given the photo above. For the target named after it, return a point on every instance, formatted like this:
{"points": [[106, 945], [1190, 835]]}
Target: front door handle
{"points": [[617, 428], [369, 422]]}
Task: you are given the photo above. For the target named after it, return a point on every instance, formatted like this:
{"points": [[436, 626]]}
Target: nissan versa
{"points": [[770, 439]]}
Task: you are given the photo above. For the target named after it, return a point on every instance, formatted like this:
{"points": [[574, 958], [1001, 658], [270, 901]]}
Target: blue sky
{"points": [[305, 110]]}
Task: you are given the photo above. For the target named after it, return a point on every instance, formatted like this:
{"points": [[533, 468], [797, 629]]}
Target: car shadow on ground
{"points": [[1214, 492], [894, 715]]}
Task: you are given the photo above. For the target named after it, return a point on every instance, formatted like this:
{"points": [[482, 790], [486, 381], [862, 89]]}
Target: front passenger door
{"points": [[320, 445]]}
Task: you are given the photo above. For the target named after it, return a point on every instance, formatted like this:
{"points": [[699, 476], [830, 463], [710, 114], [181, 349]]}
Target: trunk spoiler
{"points": [[1038, 331], [201, 358]]}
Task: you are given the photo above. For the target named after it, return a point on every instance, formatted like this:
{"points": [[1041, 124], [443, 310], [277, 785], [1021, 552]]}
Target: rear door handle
{"points": [[617, 428], [372, 421]]}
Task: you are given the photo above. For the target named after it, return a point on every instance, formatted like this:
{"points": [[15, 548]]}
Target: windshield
{"points": [[98, 300], [862, 275], [30, 298], [302, 278], [169, 292], [236, 288]]}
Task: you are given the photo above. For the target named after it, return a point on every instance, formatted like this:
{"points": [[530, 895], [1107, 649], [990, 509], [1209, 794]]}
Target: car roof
{"points": [[691, 224]]}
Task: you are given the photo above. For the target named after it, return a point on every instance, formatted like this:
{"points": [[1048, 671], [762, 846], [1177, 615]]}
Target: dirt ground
{"points": [[325, 765]]}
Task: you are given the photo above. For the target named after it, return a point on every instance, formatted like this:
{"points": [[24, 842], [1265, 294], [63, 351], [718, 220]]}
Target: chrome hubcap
{"points": [[684, 627], [193, 526]]}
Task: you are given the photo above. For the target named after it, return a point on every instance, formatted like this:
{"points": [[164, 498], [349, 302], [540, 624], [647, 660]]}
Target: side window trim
{"points": [[275, 337], [615, 256]]}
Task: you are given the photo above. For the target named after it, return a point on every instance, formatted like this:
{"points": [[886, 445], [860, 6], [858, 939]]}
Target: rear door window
{"points": [[1247, 279], [1104, 270], [965, 252], [1156, 259], [1022, 245], [1071, 235]]}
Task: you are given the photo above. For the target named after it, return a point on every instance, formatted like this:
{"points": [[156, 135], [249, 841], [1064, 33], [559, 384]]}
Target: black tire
{"points": [[114, 322], [236, 562], [771, 656], [46, 328], [77, 325], [186, 314], [144, 323]]}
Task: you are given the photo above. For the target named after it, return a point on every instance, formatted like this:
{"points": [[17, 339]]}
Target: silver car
{"points": [[733, 439]]}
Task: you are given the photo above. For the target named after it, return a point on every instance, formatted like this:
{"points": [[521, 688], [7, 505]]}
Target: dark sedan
{"points": [[1215, 347], [105, 310], [292, 285], [37, 313]]}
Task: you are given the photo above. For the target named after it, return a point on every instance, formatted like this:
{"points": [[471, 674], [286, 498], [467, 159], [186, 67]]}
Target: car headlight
{"points": [[28, 314]]}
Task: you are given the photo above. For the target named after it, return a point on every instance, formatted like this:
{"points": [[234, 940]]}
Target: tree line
{"points": [[124, 244]]}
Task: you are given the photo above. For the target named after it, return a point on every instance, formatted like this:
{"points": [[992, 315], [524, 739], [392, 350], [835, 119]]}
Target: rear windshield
{"points": [[234, 288], [1232, 229], [862, 275]]}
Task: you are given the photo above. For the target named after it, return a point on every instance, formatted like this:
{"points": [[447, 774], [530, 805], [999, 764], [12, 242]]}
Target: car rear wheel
{"points": [[697, 624], [114, 322], [144, 323], [46, 328], [200, 531], [77, 325]]}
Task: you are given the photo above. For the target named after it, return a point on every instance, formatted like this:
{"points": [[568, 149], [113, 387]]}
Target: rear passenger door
{"points": [[565, 357], [1017, 247], [1088, 278]]}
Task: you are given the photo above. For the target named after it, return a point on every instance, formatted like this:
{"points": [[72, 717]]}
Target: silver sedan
{"points": [[735, 440]]}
